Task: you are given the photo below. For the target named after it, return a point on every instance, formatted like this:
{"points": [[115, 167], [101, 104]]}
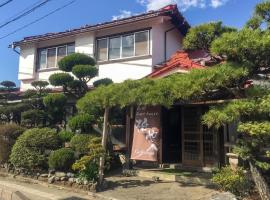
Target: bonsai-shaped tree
{"points": [[82, 67]]}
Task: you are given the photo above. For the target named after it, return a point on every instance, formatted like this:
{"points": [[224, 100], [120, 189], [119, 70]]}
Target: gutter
{"points": [[14, 49]]}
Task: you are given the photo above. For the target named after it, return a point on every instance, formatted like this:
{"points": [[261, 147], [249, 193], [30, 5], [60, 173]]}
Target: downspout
{"points": [[165, 42]]}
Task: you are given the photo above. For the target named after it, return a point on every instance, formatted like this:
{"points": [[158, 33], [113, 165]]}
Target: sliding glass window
{"points": [[123, 46]]}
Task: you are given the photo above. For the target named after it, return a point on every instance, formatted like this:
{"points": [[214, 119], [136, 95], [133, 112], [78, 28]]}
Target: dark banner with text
{"points": [[147, 134]]}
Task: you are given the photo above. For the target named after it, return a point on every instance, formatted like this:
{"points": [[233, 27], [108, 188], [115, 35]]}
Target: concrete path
{"points": [[14, 190]]}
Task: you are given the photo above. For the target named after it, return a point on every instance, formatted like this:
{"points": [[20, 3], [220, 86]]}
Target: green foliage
{"points": [[261, 16], [104, 81], [65, 136], [80, 142], [29, 150], [81, 122], [261, 129], [244, 46], [33, 117], [61, 159], [8, 84], [201, 36], [236, 182], [168, 90], [55, 105], [40, 87], [67, 63], [60, 79], [8, 135], [85, 72], [88, 164]]}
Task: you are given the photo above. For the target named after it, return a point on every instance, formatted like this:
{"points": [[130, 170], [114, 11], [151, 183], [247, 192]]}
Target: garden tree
{"points": [[55, 106], [82, 67], [6, 88], [211, 83], [201, 36], [261, 16]]}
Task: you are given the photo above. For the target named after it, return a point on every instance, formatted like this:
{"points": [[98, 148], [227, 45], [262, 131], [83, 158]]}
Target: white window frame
{"points": [[121, 46]]}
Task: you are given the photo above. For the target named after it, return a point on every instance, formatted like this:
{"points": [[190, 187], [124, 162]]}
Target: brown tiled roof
{"points": [[170, 10]]}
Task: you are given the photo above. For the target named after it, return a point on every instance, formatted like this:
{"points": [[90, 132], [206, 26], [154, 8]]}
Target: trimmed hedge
{"points": [[65, 136], [80, 143], [61, 159], [29, 151]]}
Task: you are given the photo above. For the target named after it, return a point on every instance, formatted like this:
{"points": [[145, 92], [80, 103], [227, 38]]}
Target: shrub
{"points": [[29, 151], [233, 181], [60, 79], [81, 122], [67, 63], [104, 81], [8, 136], [55, 105], [80, 142], [88, 165], [85, 72], [33, 117], [61, 159], [65, 136]]}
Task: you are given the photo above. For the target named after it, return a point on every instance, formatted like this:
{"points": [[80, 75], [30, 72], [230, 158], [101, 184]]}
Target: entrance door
{"points": [[199, 144], [192, 138], [171, 135]]}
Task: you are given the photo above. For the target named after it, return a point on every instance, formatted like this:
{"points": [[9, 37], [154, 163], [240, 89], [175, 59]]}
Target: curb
{"points": [[33, 181]]}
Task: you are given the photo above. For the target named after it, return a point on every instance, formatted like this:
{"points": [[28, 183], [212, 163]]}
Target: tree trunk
{"points": [[104, 143], [260, 182]]}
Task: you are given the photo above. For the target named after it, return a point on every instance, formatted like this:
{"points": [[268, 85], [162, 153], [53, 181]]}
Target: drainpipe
{"points": [[165, 42], [14, 49]]}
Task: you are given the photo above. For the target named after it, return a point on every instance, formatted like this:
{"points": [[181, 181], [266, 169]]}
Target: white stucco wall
{"points": [[118, 71], [121, 71], [27, 63]]}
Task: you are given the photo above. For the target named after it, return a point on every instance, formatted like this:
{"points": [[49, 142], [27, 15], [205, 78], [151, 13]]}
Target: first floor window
{"points": [[49, 57]]}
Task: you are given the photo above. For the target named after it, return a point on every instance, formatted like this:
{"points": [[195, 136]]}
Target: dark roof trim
{"points": [[177, 19]]}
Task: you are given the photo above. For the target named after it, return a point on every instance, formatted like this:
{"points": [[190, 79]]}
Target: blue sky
{"points": [[231, 12]]}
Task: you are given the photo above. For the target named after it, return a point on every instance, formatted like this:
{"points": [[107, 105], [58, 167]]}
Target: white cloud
{"points": [[123, 14], [218, 3], [182, 4]]}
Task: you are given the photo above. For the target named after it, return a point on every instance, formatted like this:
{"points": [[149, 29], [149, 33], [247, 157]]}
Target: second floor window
{"points": [[49, 57], [123, 46]]}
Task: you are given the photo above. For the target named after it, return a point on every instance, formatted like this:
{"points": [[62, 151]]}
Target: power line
{"points": [[39, 19], [5, 3], [27, 12]]}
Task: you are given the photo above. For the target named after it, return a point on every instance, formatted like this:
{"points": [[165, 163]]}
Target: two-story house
{"points": [[133, 48], [124, 49]]}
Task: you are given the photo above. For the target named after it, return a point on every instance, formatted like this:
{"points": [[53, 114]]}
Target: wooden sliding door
{"points": [[191, 137], [198, 142]]}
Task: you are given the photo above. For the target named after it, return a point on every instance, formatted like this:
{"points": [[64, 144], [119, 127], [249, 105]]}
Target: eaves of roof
{"points": [[170, 10]]}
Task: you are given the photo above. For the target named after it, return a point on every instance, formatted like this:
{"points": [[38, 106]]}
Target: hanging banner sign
{"points": [[147, 134]]}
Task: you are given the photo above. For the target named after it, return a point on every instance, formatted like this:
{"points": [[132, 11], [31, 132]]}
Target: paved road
{"points": [[28, 191]]}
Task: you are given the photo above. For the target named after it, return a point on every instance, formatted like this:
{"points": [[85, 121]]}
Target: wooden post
{"points": [[104, 144], [129, 113]]}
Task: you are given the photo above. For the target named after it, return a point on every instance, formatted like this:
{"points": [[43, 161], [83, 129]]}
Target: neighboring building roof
{"points": [[181, 61], [171, 10]]}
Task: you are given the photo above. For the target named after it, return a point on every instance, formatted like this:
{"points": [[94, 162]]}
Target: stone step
{"points": [[195, 178]]}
